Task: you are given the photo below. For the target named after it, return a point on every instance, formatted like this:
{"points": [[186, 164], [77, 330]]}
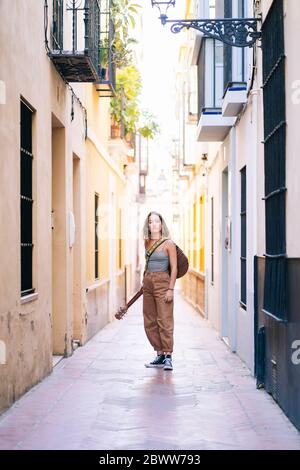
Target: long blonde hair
{"points": [[164, 229]]}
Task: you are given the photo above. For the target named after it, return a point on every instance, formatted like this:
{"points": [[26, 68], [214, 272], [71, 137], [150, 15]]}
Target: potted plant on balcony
{"points": [[127, 118], [123, 17], [124, 106], [115, 129]]}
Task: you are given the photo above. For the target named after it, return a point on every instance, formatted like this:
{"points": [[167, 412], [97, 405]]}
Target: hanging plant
{"points": [[124, 107]]}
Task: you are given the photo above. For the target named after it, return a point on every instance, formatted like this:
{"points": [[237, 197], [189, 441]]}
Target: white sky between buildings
{"points": [[158, 67]]}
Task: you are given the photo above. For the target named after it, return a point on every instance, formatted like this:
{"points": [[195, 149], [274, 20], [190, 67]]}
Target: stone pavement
{"points": [[104, 398]]}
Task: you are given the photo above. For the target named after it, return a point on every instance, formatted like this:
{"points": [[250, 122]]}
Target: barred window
{"points": [[243, 293], [57, 25], [96, 236], [274, 160], [26, 202], [109, 56]]}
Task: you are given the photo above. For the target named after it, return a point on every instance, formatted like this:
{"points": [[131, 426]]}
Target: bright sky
{"points": [[160, 58], [160, 50]]}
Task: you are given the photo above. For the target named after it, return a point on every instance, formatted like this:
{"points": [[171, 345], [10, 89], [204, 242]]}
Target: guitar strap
{"points": [[152, 249]]}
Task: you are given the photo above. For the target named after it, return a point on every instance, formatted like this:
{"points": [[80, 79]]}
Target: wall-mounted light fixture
{"points": [[237, 32]]}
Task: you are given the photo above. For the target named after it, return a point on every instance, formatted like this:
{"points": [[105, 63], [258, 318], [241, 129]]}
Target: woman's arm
{"points": [[171, 249]]}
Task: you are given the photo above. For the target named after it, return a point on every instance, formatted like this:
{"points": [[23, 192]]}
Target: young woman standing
{"points": [[158, 291]]}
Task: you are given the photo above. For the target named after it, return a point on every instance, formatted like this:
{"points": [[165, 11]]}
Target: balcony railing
{"points": [[78, 49], [107, 82]]}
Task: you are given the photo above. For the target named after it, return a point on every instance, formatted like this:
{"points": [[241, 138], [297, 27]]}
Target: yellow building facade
{"points": [[67, 262]]}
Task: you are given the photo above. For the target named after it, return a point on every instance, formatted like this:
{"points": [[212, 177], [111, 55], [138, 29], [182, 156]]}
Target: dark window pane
{"points": [[26, 128], [26, 221], [26, 268], [243, 236], [26, 175], [243, 281], [96, 216], [26, 199]]}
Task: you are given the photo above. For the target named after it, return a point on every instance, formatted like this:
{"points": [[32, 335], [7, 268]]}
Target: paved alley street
{"points": [[104, 398]]}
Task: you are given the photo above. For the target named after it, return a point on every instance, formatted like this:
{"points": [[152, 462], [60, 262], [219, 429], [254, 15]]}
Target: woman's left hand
{"points": [[169, 296]]}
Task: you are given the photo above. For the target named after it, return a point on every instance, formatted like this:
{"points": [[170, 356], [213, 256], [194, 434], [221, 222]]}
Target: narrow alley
{"points": [[103, 397]]}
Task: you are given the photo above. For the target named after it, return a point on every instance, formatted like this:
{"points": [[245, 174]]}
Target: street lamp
{"points": [[238, 32], [163, 16]]}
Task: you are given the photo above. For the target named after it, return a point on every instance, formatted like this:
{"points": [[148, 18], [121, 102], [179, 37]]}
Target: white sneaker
{"points": [[168, 364]]}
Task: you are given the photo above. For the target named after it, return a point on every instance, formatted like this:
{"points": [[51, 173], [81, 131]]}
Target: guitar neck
{"points": [[134, 298]]}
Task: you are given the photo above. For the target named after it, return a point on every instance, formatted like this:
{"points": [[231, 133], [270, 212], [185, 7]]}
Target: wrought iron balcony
{"points": [[107, 83], [78, 49]]}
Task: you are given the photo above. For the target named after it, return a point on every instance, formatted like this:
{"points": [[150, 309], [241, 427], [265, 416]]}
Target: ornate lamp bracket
{"points": [[237, 32]]}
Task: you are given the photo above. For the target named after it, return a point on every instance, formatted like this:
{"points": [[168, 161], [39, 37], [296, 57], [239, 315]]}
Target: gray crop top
{"points": [[158, 261]]}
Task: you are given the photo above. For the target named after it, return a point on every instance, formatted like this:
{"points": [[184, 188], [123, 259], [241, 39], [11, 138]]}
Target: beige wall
{"points": [[26, 327]]}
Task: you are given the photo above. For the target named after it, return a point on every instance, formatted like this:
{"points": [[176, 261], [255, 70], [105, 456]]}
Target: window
{"points": [[212, 9], [195, 235], [57, 25], [26, 202], [202, 234], [189, 236], [242, 63], [227, 48], [96, 236], [120, 238], [243, 293], [212, 249], [240, 53], [274, 160], [210, 75]]}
